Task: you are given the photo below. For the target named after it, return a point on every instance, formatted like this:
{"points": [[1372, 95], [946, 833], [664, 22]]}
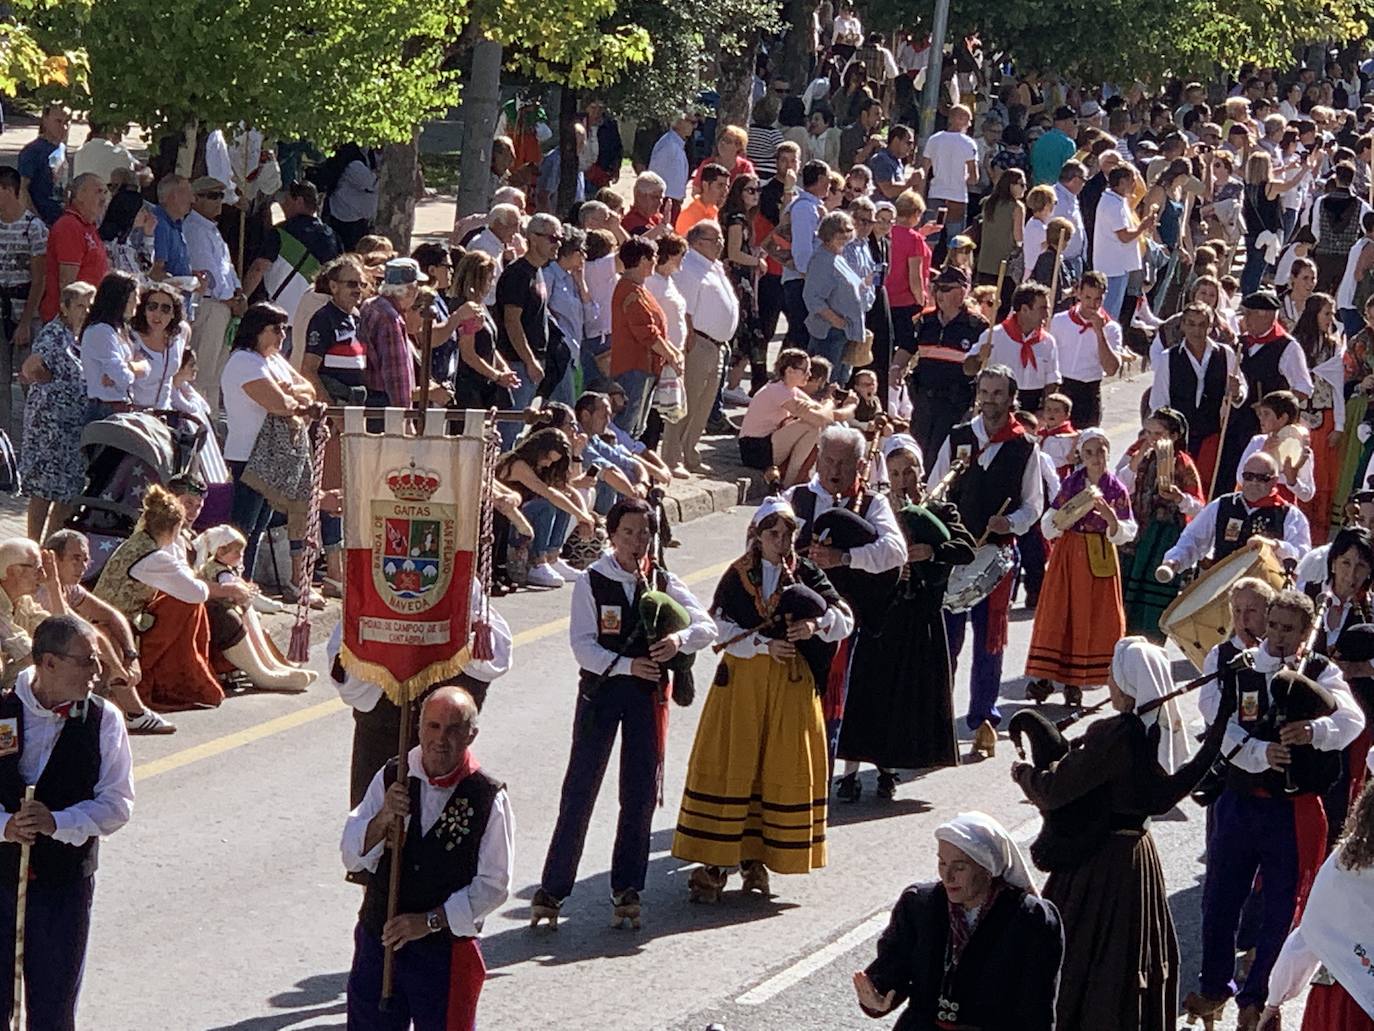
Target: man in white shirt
{"points": [[497, 239], [457, 865], [1021, 344], [1089, 346], [712, 317], [950, 159], [104, 151], [669, 161], [805, 213], [222, 298], [1116, 237], [72, 747]]}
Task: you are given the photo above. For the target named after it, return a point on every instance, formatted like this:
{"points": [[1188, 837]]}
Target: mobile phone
{"points": [[940, 216]]}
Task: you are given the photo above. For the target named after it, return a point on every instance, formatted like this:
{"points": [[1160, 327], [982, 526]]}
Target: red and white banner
{"points": [[412, 517]]}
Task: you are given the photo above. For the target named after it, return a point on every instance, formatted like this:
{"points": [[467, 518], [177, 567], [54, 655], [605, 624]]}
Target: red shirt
{"points": [[637, 323], [636, 224], [73, 241]]}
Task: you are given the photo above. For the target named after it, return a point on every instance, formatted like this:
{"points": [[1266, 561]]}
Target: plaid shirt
{"points": [[390, 364]]}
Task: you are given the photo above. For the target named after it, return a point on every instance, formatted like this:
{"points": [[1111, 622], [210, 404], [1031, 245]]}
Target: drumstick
{"points": [[1001, 511]]}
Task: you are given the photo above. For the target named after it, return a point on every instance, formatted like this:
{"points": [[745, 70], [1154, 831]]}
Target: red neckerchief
{"points": [[466, 768], [1009, 432], [1013, 330], [1062, 430], [1271, 500], [65, 710], [1276, 332], [1082, 323]]}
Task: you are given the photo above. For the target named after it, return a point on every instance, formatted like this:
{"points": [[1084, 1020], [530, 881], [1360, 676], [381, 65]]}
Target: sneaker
{"points": [[735, 396], [149, 722], [680, 472], [542, 575], [564, 570]]}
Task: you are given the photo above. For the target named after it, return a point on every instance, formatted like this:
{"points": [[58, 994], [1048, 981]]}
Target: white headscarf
{"points": [[903, 442], [988, 844], [1141, 671], [773, 506], [1091, 433]]}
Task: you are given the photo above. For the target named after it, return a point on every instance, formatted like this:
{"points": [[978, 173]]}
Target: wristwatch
{"points": [[434, 921], [846, 559]]}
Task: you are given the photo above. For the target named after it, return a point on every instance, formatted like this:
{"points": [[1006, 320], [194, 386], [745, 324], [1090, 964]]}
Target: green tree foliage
{"points": [[577, 43], [326, 70], [26, 63]]}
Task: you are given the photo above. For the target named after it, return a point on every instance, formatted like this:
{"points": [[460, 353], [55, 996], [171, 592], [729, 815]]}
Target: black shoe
{"points": [[887, 785], [849, 789], [722, 428], [1032, 600]]}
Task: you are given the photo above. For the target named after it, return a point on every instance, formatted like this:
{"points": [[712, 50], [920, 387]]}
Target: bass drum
{"points": [[970, 584], [1199, 619]]}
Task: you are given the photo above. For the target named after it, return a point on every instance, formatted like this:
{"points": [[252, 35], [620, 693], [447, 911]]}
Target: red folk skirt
{"points": [[175, 656], [1079, 618], [1330, 1008]]}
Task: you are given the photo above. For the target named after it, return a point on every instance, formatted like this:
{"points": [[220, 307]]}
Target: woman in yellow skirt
{"points": [[758, 777], [1080, 616]]}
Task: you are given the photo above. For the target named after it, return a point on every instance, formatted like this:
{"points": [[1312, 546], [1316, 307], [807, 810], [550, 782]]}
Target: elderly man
{"points": [[43, 164], [390, 369], [75, 250], [289, 258], [73, 748], [222, 298], [646, 209], [23, 568], [669, 161], [712, 309], [498, 239], [1073, 176], [457, 864], [170, 254]]}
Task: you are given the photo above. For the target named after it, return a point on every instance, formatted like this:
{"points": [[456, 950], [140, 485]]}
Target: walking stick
{"points": [[1054, 276], [21, 905], [1221, 441], [975, 364]]}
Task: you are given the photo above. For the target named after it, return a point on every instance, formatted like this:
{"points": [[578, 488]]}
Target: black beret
{"points": [[952, 275], [1357, 644], [1261, 300]]}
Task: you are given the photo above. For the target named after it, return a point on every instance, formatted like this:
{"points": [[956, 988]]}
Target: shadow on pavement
{"points": [[320, 995]]}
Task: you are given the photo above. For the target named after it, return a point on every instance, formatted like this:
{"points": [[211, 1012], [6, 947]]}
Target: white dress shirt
{"points": [[155, 389], [467, 907], [166, 570], [209, 253], [489, 243], [1329, 733], [1306, 487], [1159, 390], [835, 624], [105, 356], [670, 299], [1006, 351], [354, 196], [1312, 568], [1195, 543], [363, 696], [711, 302], [887, 552], [1292, 364], [584, 623], [669, 160], [113, 801], [1032, 506], [1209, 697], [1078, 357]]}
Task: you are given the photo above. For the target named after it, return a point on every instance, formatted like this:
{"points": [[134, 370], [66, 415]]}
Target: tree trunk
{"points": [[736, 83], [481, 107], [567, 151], [398, 183], [794, 63]]}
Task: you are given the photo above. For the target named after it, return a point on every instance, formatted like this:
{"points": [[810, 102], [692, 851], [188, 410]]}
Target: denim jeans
{"points": [[1253, 272], [1116, 294], [250, 515], [831, 346], [551, 525], [521, 396], [638, 386]]}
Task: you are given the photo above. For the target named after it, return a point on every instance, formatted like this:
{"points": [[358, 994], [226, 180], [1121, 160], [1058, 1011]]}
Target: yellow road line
{"points": [[311, 713]]}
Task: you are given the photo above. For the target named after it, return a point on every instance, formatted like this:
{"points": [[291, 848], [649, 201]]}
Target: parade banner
{"points": [[412, 517]]}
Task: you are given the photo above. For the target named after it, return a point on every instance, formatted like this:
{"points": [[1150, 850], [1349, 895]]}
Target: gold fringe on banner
{"points": [[399, 690]]}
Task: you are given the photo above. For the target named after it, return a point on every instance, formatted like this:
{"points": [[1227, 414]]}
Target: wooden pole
{"points": [[1221, 440], [1054, 276], [21, 905], [974, 363], [426, 353]]}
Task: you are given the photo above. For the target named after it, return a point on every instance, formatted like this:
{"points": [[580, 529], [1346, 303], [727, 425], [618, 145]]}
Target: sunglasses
{"points": [[1256, 477], [161, 306]]}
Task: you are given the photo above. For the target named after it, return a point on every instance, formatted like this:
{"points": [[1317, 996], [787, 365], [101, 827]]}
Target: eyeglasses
{"points": [[555, 237], [1256, 477], [162, 306]]}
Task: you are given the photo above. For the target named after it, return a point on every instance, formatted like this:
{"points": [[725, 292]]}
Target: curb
{"points": [[686, 502]]}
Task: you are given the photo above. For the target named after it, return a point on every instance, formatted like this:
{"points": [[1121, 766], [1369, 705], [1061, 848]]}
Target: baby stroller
{"points": [[125, 454]]}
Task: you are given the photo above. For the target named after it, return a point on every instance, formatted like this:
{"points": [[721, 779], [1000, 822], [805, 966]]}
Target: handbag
{"points": [[670, 396], [858, 353], [279, 467]]}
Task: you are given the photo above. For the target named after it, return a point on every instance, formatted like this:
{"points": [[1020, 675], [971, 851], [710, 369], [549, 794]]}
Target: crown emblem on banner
{"points": [[412, 484]]}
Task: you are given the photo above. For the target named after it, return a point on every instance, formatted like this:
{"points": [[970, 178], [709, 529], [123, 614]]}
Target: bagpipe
{"points": [[867, 593], [795, 603], [1074, 831]]}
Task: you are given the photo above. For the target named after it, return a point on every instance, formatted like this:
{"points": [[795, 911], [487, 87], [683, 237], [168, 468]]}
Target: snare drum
{"points": [[970, 584], [1199, 619]]}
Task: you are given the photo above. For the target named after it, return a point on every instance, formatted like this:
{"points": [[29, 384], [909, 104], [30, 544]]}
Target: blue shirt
{"points": [[549, 173], [831, 283], [886, 169], [37, 163], [169, 244], [860, 259], [1048, 155]]}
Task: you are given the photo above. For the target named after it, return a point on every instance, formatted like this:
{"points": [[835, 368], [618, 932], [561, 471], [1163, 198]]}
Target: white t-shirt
{"points": [[949, 154], [1111, 257], [1033, 242], [1345, 293], [242, 414]]}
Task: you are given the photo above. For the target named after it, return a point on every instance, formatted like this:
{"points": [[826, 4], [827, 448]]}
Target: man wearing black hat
{"points": [[1270, 359], [946, 335]]}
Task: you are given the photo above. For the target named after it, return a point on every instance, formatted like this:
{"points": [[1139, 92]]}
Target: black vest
{"points": [[437, 864], [1313, 771], [804, 505], [1261, 368], [979, 493], [1203, 419], [69, 777], [868, 594], [617, 620], [1236, 524]]}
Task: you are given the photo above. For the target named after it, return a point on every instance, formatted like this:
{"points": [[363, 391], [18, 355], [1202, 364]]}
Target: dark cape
{"points": [[1121, 952], [899, 713], [1005, 980]]}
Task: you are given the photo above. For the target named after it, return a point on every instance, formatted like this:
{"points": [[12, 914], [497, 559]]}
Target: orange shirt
{"points": [[637, 323], [694, 213]]}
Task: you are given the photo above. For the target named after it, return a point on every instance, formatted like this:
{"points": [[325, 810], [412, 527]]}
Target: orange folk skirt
{"points": [[1078, 620], [1326, 474], [175, 657]]}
